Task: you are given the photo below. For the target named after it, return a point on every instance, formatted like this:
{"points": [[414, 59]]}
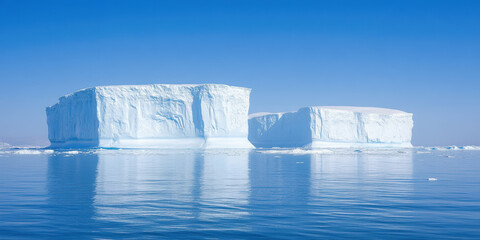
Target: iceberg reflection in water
{"points": [[172, 187], [239, 194]]}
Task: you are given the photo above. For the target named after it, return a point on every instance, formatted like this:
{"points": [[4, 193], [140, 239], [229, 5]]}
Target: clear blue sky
{"points": [[418, 56]]}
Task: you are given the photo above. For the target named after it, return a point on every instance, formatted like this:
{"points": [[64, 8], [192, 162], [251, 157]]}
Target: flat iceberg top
{"points": [[386, 111], [373, 110], [149, 86], [121, 87], [261, 114]]}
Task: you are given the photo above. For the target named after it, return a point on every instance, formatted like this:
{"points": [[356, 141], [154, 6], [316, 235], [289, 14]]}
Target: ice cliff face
{"points": [[160, 116], [212, 116], [318, 127]]}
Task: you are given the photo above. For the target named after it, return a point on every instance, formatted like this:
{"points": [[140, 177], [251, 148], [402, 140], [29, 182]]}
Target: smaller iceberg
{"points": [[332, 127]]}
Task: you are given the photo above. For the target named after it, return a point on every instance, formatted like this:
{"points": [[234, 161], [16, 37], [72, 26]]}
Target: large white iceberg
{"points": [[319, 127], [145, 116]]}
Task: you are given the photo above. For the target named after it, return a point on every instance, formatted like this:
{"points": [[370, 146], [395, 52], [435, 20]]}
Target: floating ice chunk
{"points": [[475, 148], [33, 151], [71, 152], [432, 179], [332, 127], [453, 147], [151, 116]]}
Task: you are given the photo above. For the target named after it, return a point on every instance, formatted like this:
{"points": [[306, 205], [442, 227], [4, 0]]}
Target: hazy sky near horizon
{"points": [[418, 56]]}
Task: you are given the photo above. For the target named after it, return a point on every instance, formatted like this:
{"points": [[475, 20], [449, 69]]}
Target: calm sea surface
{"points": [[143, 194]]}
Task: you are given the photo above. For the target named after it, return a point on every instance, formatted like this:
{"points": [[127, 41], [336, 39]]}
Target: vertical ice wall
{"points": [[318, 127], [160, 115], [290, 129], [73, 120]]}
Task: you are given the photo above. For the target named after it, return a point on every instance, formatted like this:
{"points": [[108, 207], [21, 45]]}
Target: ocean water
{"points": [[423, 193]]}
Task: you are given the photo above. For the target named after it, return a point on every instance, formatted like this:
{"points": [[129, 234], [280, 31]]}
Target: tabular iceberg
{"points": [[318, 127], [146, 116]]}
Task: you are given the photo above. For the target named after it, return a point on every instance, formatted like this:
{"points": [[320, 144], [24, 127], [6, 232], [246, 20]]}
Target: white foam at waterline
{"points": [[152, 151], [297, 151]]}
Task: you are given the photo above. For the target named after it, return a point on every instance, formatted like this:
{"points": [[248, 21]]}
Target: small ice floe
{"points": [[299, 162], [475, 148], [453, 147], [71, 152], [33, 151], [432, 179]]}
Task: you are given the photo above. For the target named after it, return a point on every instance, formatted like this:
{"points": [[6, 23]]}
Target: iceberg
{"points": [[4, 145], [151, 116], [332, 127]]}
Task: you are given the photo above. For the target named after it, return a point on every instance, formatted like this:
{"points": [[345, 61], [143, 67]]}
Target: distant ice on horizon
{"points": [[4, 145]]}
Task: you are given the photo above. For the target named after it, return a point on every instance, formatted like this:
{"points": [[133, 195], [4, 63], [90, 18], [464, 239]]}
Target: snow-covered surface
{"points": [[332, 127], [151, 116]]}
